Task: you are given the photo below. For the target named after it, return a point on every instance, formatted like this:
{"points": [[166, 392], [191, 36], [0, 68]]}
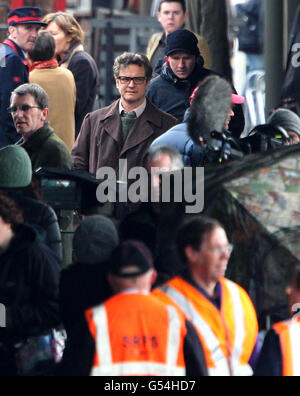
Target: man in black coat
{"points": [[181, 72], [23, 26]]}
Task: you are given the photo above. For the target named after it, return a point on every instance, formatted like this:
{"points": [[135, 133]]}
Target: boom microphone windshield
{"points": [[210, 109]]}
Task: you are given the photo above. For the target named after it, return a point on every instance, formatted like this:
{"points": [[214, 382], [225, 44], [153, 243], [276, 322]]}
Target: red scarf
{"points": [[49, 64]]}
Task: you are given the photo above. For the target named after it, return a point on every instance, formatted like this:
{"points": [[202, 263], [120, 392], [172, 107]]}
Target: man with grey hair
{"points": [[160, 159], [23, 26], [29, 107], [125, 129], [149, 221]]}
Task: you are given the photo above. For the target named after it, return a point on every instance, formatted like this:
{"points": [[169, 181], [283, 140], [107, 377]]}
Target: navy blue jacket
{"points": [[172, 95], [86, 76], [12, 74]]}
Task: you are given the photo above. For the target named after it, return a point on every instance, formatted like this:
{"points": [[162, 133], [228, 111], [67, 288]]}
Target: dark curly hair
{"points": [[10, 213]]}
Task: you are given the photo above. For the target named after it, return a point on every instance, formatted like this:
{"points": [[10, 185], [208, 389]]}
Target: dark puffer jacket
{"points": [[172, 95]]}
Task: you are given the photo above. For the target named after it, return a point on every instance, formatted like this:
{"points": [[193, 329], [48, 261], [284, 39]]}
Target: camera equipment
{"points": [[68, 190], [221, 148], [76, 190], [264, 138]]}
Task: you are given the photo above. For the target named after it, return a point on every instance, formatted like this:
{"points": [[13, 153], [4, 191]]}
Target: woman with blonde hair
{"points": [[69, 36]]}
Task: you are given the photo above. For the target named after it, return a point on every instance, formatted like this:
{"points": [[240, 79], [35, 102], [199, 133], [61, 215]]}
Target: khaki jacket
{"points": [[60, 86]]}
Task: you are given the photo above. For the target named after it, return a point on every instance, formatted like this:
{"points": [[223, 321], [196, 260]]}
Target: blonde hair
{"points": [[68, 24]]}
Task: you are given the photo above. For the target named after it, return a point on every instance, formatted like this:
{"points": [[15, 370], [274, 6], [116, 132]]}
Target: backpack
{"points": [[250, 17]]}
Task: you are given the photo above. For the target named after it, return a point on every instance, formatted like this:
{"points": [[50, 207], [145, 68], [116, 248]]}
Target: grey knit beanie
{"points": [[94, 240], [15, 167], [286, 119]]}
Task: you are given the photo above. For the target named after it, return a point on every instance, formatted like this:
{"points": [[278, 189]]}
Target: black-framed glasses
{"points": [[127, 80], [14, 109]]}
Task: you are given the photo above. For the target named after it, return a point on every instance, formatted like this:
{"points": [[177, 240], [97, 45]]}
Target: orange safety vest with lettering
{"points": [[135, 335], [228, 335], [289, 335]]}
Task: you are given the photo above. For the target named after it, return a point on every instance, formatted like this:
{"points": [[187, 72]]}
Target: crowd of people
{"points": [[128, 306]]}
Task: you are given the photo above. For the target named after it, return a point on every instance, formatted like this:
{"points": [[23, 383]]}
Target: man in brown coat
{"points": [[126, 128]]}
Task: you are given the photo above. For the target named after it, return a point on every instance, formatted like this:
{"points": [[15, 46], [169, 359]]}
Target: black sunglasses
{"points": [[13, 109]]}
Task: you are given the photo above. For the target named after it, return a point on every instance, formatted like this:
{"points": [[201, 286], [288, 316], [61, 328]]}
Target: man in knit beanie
{"points": [[15, 167], [289, 121], [181, 73], [15, 181]]}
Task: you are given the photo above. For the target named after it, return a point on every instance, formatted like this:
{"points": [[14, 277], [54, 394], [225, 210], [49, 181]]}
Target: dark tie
{"points": [[130, 114]]}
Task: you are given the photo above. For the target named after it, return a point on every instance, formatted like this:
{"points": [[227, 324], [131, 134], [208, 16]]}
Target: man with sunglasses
{"points": [[29, 108], [221, 311], [23, 26], [126, 128]]}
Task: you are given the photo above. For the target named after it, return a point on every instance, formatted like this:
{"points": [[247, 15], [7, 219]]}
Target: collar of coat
{"points": [[76, 47], [113, 110], [197, 75], [36, 141], [111, 122]]}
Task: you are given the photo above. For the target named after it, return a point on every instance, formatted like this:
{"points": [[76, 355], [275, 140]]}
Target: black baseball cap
{"points": [[131, 259]]}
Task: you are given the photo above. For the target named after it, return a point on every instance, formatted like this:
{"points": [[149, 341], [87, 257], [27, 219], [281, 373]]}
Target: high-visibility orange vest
{"points": [[228, 335], [135, 334], [289, 335]]}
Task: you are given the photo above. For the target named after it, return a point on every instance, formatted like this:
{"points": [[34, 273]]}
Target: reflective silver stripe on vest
{"points": [[240, 332], [108, 368], [212, 342], [103, 339], [138, 368], [294, 330], [173, 337]]}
